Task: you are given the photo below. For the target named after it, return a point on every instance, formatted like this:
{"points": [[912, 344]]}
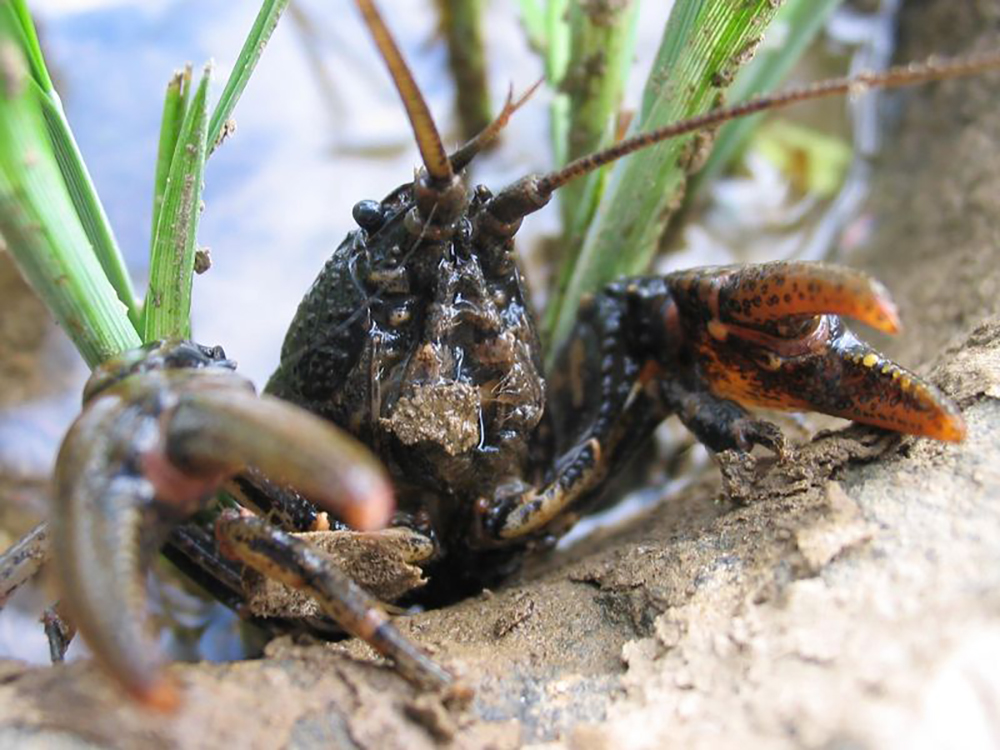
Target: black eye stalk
{"points": [[368, 215]]}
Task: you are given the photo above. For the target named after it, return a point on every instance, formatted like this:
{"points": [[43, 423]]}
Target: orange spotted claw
{"points": [[757, 294], [877, 391], [771, 335]]}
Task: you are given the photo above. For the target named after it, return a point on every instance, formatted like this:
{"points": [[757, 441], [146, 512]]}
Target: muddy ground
{"points": [[851, 599]]}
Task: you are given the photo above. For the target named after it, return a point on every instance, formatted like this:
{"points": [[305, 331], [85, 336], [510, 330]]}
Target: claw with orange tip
{"points": [[771, 335], [772, 293], [161, 430]]}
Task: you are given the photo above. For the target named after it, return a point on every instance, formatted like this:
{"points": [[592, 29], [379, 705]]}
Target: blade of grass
{"points": [[78, 181], [29, 44], [38, 222], [557, 37], [704, 45], [601, 43], [87, 203], [175, 105], [533, 21], [795, 26], [462, 23], [602, 40], [263, 25], [167, 310], [187, 137]]}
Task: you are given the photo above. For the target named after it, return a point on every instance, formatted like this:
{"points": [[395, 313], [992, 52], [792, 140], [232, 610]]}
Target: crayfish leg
{"points": [[600, 414], [385, 563], [23, 560], [279, 555]]}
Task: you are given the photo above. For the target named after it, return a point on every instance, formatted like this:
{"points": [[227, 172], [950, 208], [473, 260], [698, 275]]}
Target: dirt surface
{"points": [[851, 599]]}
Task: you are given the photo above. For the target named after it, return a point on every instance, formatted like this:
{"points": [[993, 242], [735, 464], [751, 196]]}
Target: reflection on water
{"points": [[310, 143]]}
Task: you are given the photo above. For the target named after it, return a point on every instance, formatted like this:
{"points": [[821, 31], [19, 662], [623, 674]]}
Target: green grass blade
{"points": [[78, 182], [602, 41], [175, 105], [704, 45], [87, 203], [796, 24], [557, 40], [38, 223], [167, 310], [187, 137], [557, 54], [462, 25], [267, 18], [533, 21], [29, 44]]}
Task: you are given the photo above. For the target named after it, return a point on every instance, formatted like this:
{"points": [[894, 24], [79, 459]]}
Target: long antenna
{"points": [[461, 158], [932, 70], [424, 130]]}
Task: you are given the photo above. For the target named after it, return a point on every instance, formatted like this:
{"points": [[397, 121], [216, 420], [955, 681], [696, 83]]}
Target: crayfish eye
{"points": [[368, 215]]}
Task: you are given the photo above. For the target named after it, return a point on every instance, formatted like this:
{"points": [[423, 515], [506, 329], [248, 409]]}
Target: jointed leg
{"points": [[279, 555], [600, 414], [384, 563], [719, 424], [280, 504], [703, 343], [23, 560]]}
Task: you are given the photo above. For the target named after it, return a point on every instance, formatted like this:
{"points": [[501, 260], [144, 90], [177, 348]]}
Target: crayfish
{"points": [[417, 344]]}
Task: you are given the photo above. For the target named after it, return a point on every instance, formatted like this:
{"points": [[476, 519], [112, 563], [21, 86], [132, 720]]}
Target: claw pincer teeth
{"points": [[878, 391]]}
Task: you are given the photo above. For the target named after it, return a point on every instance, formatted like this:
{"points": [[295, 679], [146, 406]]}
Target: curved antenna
{"points": [[424, 130], [461, 158], [904, 75]]}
